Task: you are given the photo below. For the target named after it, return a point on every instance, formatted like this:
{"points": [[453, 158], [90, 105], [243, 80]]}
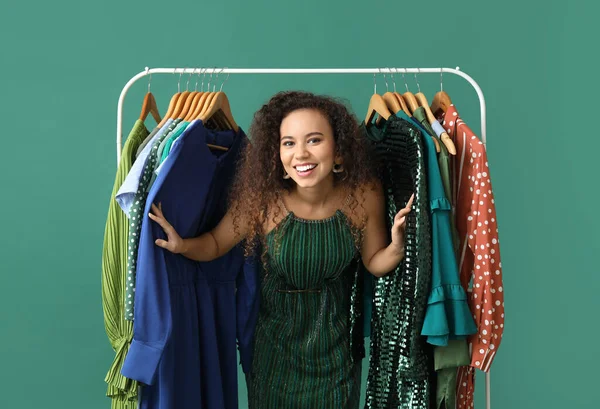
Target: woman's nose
{"points": [[301, 151]]}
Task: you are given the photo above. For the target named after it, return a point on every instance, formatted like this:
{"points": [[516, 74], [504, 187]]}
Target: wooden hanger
{"points": [[422, 100], [187, 108], [220, 120], [441, 102], [431, 118], [170, 109], [207, 102], [220, 102], [196, 96], [448, 142], [214, 106], [204, 101], [200, 106], [410, 99], [191, 101], [149, 107], [438, 148], [377, 105], [398, 96], [402, 103], [392, 102], [413, 104], [173, 103], [180, 104]]}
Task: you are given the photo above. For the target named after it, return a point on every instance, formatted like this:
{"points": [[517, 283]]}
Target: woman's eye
{"points": [[288, 143], [314, 140]]}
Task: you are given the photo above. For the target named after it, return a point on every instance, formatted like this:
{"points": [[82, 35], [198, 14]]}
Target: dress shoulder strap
{"points": [[347, 202], [280, 200]]}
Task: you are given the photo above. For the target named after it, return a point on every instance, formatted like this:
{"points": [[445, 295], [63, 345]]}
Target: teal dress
{"points": [[307, 344]]}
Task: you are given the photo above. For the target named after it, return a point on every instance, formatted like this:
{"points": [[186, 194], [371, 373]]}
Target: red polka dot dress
{"points": [[478, 252]]}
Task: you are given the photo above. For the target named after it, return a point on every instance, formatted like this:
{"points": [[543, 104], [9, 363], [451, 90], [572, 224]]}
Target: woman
{"points": [[304, 192]]}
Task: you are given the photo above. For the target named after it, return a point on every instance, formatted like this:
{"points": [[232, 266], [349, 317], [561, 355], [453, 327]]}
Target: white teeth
{"points": [[305, 168]]}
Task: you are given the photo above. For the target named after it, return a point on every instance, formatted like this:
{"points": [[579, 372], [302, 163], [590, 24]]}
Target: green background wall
{"points": [[63, 65]]}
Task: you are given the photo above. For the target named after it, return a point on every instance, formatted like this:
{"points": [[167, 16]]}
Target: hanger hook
{"points": [[217, 79], [374, 85], [441, 79], [203, 78], [179, 82], [149, 79], [404, 78], [212, 71], [228, 74], [197, 79], [387, 88], [187, 85], [393, 79], [417, 80]]}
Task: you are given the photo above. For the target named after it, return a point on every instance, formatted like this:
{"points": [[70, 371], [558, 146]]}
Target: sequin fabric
{"points": [[399, 363]]}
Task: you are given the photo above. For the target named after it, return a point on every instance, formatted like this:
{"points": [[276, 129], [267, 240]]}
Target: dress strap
{"points": [[280, 198], [347, 202]]}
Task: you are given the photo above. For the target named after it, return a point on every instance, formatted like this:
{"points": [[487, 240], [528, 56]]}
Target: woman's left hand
{"points": [[399, 226]]}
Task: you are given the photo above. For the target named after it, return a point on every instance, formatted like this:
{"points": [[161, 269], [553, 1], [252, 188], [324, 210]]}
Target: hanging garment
{"points": [[146, 141], [447, 361], [184, 346], [121, 390], [164, 150], [157, 155], [421, 116], [136, 216], [445, 161], [448, 315], [399, 363], [129, 187], [247, 301], [304, 354], [478, 252]]}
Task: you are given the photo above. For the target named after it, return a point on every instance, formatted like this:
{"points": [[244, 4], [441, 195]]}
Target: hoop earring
{"points": [[286, 175], [338, 168]]}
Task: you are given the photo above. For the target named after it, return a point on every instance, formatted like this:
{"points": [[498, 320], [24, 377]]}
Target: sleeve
{"points": [[487, 297], [152, 313]]}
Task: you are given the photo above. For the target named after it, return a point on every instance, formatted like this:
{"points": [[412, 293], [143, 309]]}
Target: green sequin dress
{"points": [[308, 338]]}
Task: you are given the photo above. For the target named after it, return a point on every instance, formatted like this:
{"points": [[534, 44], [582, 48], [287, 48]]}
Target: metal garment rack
{"points": [[382, 71]]}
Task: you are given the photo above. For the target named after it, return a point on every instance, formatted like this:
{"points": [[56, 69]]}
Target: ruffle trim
{"points": [[448, 315], [440, 203]]}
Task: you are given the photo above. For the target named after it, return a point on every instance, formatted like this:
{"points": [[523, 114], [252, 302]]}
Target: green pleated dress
{"points": [[304, 355]]}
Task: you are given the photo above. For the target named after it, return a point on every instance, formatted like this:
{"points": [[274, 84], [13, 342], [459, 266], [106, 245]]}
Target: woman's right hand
{"points": [[174, 242]]}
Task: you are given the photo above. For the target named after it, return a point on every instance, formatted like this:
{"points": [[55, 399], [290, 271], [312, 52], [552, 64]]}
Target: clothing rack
{"points": [[374, 71]]}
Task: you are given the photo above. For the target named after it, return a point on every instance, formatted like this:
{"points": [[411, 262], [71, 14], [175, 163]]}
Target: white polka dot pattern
{"points": [[478, 252], [135, 216]]}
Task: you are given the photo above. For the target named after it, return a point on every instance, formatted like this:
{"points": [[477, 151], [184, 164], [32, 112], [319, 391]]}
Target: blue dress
{"points": [[185, 323]]}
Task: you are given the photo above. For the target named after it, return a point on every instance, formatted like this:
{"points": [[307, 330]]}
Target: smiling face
{"points": [[307, 147]]}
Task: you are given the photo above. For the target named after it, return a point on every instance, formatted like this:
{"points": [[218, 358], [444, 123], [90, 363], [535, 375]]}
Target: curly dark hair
{"points": [[259, 181]]}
